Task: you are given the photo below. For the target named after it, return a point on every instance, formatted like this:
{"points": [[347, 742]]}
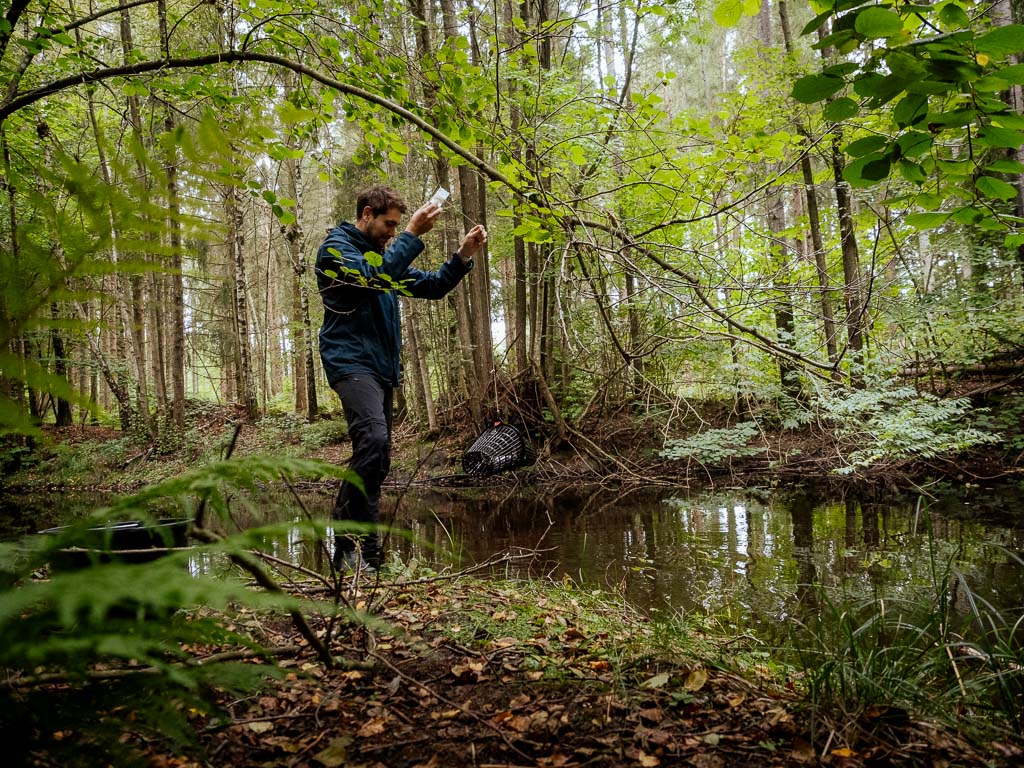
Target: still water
{"points": [[752, 560]]}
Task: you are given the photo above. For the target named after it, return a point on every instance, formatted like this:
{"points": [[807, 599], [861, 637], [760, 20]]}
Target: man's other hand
{"points": [[473, 242]]}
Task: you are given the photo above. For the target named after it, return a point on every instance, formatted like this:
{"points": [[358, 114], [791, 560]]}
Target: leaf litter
{"points": [[479, 673]]}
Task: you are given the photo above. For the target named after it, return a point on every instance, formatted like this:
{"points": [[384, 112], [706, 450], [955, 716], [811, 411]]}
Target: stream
{"points": [[753, 560]]}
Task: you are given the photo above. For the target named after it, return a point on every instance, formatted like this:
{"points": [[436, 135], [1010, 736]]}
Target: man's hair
{"points": [[380, 199]]}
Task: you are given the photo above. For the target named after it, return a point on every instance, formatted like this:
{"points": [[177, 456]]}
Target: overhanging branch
{"points": [[23, 100]]}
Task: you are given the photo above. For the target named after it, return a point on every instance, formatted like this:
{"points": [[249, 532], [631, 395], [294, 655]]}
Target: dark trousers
{"points": [[367, 406]]}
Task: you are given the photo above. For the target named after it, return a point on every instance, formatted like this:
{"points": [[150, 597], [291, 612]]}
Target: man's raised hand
{"points": [[422, 221]]}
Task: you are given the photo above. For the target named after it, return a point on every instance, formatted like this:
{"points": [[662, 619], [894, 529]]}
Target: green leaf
{"points": [[910, 110], [841, 109], [816, 22], [1001, 40], [864, 146], [1012, 74], [728, 12], [990, 186], [373, 258], [905, 65], [1002, 138], [966, 215], [877, 169], [912, 172], [1005, 166], [952, 15], [914, 143], [1014, 241], [929, 220], [867, 170], [878, 22], [812, 88]]}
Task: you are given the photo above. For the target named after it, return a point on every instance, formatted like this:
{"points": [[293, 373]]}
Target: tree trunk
{"points": [[176, 277], [63, 415], [129, 312], [302, 342], [813, 218], [421, 371], [779, 264], [244, 386], [855, 309]]}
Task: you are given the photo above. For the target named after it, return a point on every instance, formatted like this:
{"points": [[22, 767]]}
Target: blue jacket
{"points": [[361, 332]]}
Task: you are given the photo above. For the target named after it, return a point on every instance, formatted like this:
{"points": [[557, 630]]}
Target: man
{"points": [[359, 276]]}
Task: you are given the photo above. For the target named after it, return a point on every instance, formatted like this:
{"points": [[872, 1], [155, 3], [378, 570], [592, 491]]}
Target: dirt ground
{"points": [[417, 696]]}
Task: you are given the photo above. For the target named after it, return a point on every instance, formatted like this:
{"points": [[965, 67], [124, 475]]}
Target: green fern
{"points": [[901, 424], [715, 445], [136, 619]]}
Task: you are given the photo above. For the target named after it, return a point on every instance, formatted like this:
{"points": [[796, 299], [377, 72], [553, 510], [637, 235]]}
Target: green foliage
{"points": [[138, 617], [935, 74], [1005, 418], [324, 432], [715, 446], [901, 424]]}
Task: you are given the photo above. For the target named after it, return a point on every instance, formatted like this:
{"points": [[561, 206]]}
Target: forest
{"points": [[805, 214], [765, 243]]}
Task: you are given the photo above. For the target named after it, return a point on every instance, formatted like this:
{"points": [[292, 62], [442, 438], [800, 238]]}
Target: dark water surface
{"points": [[753, 560]]}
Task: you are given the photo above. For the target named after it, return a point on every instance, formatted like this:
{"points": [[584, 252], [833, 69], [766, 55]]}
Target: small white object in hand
{"points": [[440, 196]]}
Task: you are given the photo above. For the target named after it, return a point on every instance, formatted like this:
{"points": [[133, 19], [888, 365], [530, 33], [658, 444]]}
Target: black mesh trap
{"points": [[501, 447]]}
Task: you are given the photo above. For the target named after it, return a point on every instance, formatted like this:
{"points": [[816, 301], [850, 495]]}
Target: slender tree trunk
{"points": [[779, 263], [813, 218], [305, 371], [855, 309], [64, 417], [176, 277], [129, 311], [421, 371], [244, 388], [157, 357]]}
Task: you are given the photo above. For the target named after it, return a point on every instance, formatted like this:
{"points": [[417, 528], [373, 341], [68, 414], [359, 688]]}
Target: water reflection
{"points": [[753, 560]]}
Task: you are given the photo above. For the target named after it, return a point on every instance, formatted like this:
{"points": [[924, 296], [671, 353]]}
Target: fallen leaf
{"points": [[599, 665], [712, 739], [707, 760], [371, 727], [335, 754], [736, 699], [467, 673], [802, 752], [659, 737], [648, 761], [844, 752], [658, 681], [519, 723], [695, 680], [260, 726], [653, 715]]}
